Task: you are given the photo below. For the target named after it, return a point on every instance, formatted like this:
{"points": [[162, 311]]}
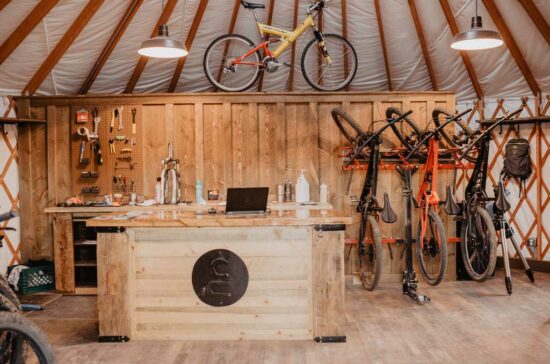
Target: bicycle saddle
{"points": [[501, 203], [388, 215], [451, 207], [248, 5]]}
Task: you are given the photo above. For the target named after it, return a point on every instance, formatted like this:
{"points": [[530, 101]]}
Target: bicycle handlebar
{"points": [[319, 5], [8, 215], [378, 132], [489, 129], [432, 133]]}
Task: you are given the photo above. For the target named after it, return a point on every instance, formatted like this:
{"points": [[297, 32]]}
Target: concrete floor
{"points": [[466, 322]]}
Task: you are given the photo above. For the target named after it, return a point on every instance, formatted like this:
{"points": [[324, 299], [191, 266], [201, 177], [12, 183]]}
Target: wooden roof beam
{"points": [[512, 45], [142, 61], [25, 28], [188, 44], [231, 29], [465, 57], [269, 22], [3, 4], [383, 41], [127, 17], [423, 44], [61, 47], [293, 50], [537, 18]]}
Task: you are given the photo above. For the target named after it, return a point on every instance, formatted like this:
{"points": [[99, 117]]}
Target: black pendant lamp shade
{"points": [[476, 38]]}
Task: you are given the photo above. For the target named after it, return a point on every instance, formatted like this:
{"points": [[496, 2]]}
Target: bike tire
{"points": [[5, 290], [212, 78], [343, 120], [404, 139], [351, 75], [451, 143], [491, 248], [433, 279], [375, 252]]}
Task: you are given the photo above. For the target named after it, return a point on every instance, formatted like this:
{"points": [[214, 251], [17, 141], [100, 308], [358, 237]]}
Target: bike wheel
{"points": [[406, 130], [479, 245], [218, 60], [15, 327], [333, 76], [433, 255], [452, 139], [370, 254], [349, 127]]}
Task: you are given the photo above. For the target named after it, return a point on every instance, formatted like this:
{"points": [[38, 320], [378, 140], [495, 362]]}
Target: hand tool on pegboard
{"points": [[134, 111], [82, 116], [120, 126], [96, 148], [97, 120], [112, 149], [116, 116]]}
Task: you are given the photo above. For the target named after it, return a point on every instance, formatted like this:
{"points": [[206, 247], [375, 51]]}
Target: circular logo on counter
{"points": [[220, 278]]}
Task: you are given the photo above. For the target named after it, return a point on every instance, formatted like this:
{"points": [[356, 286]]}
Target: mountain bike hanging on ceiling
{"points": [[366, 145], [233, 62]]}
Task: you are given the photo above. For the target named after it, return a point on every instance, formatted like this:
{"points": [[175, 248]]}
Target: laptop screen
{"points": [[247, 200]]}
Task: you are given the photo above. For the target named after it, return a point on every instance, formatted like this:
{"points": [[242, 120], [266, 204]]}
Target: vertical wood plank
{"points": [[184, 148], [64, 253], [155, 145], [199, 141], [113, 279], [329, 318], [245, 153], [271, 118]]}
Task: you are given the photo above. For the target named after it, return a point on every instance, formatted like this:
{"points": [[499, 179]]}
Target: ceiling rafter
{"points": [[512, 45], [293, 50], [345, 35], [269, 22], [61, 47], [3, 4], [25, 28], [127, 17], [230, 30], [142, 61], [423, 44], [188, 44], [383, 41], [465, 57], [537, 18]]}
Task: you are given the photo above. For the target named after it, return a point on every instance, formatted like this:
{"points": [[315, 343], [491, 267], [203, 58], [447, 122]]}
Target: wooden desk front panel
{"points": [[276, 306]]}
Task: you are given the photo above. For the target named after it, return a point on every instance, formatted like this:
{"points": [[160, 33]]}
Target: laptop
{"points": [[251, 200]]}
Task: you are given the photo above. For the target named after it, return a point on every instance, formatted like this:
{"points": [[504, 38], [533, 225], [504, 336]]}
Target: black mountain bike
{"points": [[21, 341], [479, 239], [369, 241]]}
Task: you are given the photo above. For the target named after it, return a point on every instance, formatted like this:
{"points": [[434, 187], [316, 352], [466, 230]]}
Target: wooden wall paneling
{"points": [[245, 145], [59, 154], [302, 134], [330, 164], [184, 147], [271, 118], [24, 159], [217, 147], [156, 145]]}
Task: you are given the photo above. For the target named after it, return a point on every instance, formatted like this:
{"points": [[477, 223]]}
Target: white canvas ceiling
{"points": [[496, 70]]}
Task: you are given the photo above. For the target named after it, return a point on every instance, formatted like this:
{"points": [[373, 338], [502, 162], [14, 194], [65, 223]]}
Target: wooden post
{"points": [[63, 252]]}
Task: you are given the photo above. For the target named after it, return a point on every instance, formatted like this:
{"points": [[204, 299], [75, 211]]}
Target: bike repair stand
{"points": [[410, 282], [500, 207]]}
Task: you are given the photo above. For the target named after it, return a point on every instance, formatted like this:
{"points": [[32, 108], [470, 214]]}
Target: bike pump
{"points": [[410, 282]]}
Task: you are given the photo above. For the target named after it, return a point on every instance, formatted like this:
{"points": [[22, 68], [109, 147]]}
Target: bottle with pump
{"points": [[302, 188]]}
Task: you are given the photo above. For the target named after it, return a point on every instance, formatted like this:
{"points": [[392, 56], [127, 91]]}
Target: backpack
{"points": [[517, 160]]}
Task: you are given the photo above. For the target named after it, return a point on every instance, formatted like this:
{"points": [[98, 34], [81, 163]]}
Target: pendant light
{"points": [[476, 38], [163, 46]]}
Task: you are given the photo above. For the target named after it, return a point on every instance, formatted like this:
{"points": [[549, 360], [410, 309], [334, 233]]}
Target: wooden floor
{"points": [[466, 322]]}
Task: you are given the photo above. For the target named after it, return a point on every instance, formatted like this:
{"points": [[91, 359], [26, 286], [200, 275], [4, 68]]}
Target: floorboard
{"points": [[466, 322]]}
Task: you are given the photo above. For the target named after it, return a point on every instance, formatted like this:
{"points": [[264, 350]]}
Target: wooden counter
{"points": [[147, 268]]}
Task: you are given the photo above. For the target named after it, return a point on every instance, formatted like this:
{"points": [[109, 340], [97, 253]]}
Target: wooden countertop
{"points": [[193, 219], [183, 207]]}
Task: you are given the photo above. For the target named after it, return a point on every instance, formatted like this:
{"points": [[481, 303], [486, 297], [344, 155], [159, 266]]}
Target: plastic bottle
{"points": [[323, 193], [302, 188], [158, 193], [198, 193]]}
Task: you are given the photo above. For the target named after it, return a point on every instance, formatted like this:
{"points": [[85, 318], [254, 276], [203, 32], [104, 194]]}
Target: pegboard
{"points": [[112, 166]]}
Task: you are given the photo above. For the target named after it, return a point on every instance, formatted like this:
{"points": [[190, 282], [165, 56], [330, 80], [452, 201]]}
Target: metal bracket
{"points": [[111, 229], [113, 339], [334, 227], [330, 339]]}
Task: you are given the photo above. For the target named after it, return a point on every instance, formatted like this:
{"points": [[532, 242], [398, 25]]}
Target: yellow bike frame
{"points": [[287, 38]]}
